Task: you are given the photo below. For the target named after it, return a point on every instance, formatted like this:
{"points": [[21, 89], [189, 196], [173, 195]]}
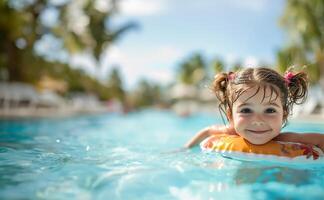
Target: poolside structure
{"points": [[188, 99], [15, 95], [23, 100]]}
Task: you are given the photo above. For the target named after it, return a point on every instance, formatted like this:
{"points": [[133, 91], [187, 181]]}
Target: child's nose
{"points": [[257, 123]]}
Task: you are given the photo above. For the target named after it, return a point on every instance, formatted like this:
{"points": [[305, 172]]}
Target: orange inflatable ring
{"points": [[234, 146]]}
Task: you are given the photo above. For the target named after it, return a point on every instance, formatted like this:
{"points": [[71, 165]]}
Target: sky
{"points": [[171, 30]]}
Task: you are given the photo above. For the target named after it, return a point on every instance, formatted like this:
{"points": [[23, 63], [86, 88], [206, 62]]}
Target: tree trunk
{"points": [[13, 62]]}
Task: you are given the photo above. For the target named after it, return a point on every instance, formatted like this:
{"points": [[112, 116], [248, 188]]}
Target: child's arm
{"points": [[316, 139], [206, 132]]}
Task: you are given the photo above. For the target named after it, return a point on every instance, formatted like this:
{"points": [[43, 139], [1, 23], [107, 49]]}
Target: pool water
{"points": [[139, 156]]}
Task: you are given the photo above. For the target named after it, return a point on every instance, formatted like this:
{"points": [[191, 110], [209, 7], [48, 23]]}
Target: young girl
{"points": [[257, 102]]}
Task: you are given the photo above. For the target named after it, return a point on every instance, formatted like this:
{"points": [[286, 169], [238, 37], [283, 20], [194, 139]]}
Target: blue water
{"points": [[138, 156]]}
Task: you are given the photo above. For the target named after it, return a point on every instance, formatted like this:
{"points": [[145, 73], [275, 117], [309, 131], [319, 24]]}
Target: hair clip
{"points": [[288, 76]]}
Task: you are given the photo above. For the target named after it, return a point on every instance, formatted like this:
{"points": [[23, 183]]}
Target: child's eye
{"points": [[246, 110], [270, 110]]}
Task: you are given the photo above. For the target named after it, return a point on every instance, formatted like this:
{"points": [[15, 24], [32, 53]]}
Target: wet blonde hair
{"points": [[292, 89]]}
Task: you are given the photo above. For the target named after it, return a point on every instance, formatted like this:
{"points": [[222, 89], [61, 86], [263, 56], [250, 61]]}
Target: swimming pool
{"points": [[138, 156]]}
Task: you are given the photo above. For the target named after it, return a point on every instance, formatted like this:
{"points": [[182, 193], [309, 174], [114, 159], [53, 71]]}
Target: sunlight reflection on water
{"points": [[137, 156]]}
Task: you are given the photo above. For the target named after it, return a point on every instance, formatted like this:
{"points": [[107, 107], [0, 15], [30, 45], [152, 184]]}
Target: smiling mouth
{"points": [[258, 131]]}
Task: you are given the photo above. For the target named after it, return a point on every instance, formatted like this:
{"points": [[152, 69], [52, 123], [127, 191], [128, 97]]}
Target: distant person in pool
{"points": [[257, 102]]}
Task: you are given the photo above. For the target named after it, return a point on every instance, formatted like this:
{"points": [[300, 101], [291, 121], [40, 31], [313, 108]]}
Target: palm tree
{"points": [[18, 25], [98, 34], [193, 70], [217, 65], [290, 56], [115, 85], [303, 19], [21, 27]]}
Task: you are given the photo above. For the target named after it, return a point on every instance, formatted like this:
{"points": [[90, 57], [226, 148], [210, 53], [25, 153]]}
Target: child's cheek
{"points": [[241, 120], [274, 120]]}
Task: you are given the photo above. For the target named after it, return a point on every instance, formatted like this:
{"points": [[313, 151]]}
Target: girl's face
{"points": [[257, 116]]}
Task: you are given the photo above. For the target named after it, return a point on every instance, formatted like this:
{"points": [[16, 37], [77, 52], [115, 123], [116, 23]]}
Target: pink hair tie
{"points": [[288, 76]]}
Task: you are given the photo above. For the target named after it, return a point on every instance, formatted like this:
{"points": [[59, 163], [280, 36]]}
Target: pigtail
{"points": [[220, 85], [220, 88], [297, 85]]}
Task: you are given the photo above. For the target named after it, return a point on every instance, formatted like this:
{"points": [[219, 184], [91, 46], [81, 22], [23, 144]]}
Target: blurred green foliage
{"points": [[91, 31], [115, 85], [22, 26], [217, 65], [304, 22], [146, 94], [192, 71]]}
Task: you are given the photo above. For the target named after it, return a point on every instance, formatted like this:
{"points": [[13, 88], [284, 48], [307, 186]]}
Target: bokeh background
{"points": [[61, 57]]}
